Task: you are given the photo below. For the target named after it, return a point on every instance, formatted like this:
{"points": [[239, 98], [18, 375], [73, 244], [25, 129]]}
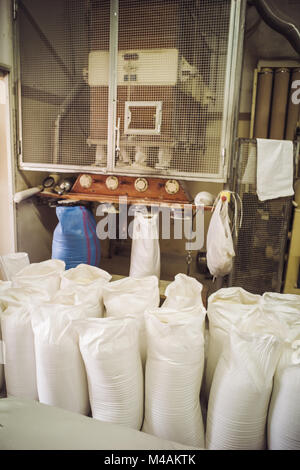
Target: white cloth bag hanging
{"points": [[219, 244], [87, 282], [61, 376], [240, 392], [145, 250], [44, 276], [110, 350], [174, 369], [132, 297]]}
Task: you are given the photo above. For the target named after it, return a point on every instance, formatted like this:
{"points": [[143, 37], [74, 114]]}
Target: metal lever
{"points": [[117, 129]]}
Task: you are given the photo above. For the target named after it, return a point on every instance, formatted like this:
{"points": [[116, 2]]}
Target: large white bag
{"points": [[184, 291], [284, 411], [4, 285], [18, 342], [225, 308], [132, 297], [174, 369], [286, 307], [240, 392], [110, 350], [61, 377], [12, 263], [44, 276], [219, 244], [19, 368], [87, 281], [89, 304], [145, 250]]}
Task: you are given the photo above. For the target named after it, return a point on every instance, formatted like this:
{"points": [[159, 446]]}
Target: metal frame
{"points": [[143, 104], [231, 97]]}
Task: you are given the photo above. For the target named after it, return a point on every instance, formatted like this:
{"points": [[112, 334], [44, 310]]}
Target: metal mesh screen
{"points": [[172, 57], [261, 242]]}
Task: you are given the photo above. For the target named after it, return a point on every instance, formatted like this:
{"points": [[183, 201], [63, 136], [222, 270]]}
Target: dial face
{"points": [[141, 184], [172, 186], [86, 181], [112, 183]]}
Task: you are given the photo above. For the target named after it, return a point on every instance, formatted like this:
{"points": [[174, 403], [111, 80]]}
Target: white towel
{"points": [[275, 168]]}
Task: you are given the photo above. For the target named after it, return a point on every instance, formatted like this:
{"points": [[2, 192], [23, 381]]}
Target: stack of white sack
{"points": [[132, 297], [110, 350], [174, 369], [33, 281], [87, 282], [225, 308], [284, 412], [44, 276], [19, 368], [241, 390], [61, 376]]}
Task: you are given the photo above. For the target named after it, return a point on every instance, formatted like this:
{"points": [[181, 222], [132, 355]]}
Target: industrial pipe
{"points": [[272, 17]]}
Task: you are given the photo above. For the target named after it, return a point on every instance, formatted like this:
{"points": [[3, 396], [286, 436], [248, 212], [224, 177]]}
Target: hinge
{"points": [[19, 147], [15, 9], [223, 155]]}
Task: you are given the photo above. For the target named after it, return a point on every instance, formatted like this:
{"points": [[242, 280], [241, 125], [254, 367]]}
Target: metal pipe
{"points": [[276, 21]]}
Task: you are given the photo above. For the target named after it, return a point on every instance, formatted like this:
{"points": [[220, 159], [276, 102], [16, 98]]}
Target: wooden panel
{"points": [[156, 189]]}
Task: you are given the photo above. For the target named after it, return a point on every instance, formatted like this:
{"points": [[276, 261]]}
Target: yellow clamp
{"points": [[225, 195]]}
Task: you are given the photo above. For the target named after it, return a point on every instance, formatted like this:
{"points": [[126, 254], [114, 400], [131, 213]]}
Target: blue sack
{"points": [[75, 239]]}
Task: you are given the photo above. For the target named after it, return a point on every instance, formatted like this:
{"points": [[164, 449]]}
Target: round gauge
{"points": [[172, 186], [86, 181], [112, 183], [141, 185]]}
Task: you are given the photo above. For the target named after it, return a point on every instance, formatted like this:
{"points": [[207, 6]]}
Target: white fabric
{"points": [[110, 350], [19, 368], [18, 338], [275, 168], [240, 393], [174, 369], [28, 425], [284, 412], [44, 275], [219, 244], [13, 263], [225, 308], [87, 281], [132, 297], [61, 377], [145, 250], [89, 303], [249, 176], [4, 285], [183, 292]]}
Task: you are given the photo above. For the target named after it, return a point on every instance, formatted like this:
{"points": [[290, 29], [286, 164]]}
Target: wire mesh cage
{"points": [[260, 246], [132, 86]]}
